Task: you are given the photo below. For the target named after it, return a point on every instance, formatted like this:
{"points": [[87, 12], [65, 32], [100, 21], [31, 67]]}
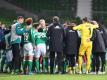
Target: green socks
{"points": [[65, 66], [25, 64], [30, 66], [45, 64], [37, 65]]}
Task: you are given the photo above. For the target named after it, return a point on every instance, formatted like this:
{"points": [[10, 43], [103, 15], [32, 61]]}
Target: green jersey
{"points": [[40, 37], [27, 36]]}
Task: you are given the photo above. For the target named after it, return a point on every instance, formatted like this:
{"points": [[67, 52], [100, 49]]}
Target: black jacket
{"points": [[71, 41], [56, 36], [104, 35], [98, 43]]}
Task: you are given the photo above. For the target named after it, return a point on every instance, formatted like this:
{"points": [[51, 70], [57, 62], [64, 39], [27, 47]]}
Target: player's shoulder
{"points": [[88, 24], [80, 25], [15, 24]]}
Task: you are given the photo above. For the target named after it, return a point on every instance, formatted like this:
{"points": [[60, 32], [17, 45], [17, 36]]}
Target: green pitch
{"points": [[52, 77]]}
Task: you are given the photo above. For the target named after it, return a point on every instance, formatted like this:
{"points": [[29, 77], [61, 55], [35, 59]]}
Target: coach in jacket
{"points": [[99, 51], [71, 43], [56, 35], [16, 31]]}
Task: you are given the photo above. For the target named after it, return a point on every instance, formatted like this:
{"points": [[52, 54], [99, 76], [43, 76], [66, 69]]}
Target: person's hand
{"points": [[88, 40], [95, 23]]}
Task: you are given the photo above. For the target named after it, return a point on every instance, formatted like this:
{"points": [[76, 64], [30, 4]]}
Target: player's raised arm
{"points": [[95, 24], [77, 27]]}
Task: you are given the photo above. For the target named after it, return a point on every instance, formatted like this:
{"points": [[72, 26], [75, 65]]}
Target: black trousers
{"points": [[71, 59], [2, 47], [9, 65], [16, 56], [58, 59], [97, 60]]}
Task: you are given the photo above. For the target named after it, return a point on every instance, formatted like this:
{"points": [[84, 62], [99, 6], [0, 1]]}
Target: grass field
{"points": [[52, 77]]}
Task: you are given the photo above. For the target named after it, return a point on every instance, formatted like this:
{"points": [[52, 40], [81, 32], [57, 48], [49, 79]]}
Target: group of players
{"points": [[55, 49]]}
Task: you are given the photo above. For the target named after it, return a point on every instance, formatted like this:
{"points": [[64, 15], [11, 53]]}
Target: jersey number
{"points": [[89, 31]]}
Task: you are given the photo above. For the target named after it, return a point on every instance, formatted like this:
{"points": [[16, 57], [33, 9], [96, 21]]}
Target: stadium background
{"points": [[65, 9]]}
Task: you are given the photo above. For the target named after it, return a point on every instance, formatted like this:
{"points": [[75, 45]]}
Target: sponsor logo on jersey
{"points": [[71, 31], [57, 27]]}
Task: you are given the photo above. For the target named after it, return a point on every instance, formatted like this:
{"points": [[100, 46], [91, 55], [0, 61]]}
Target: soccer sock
{"points": [[37, 66], [65, 65], [33, 66], [88, 63], [25, 66], [80, 62], [30, 65], [44, 63]]}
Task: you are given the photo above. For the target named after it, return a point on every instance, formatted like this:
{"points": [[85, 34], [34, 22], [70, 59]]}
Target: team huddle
{"points": [[55, 48]]}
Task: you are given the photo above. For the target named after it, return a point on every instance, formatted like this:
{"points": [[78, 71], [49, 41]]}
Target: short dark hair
{"points": [[35, 25], [56, 19], [20, 17], [85, 19]]}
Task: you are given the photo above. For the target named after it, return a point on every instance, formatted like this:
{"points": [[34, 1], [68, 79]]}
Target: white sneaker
{"points": [[76, 64], [87, 72], [104, 72], [79, 72], [99, 72]]}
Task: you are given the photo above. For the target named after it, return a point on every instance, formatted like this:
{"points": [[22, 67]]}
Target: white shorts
{"points": [[28, 49], [41, 50]]}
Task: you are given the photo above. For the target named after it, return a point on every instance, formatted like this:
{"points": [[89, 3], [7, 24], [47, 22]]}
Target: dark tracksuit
{"points": [[99, 51], [71, 46], [56, 37], [2, 40]]}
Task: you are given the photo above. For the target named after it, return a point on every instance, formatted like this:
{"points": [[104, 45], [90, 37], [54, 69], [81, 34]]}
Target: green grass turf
{"points": [[52, 77]]}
